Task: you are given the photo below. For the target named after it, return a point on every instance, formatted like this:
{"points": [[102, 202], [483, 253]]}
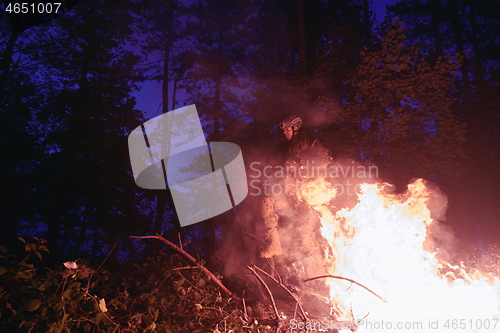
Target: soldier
{"points": [[307, 155], [301, 148]]}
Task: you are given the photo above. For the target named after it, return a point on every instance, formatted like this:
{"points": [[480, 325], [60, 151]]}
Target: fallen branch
{"points": [[270, 261], [193, 260], [346, 279], [180, 240], [268, 291], [245, 309], [304, 316], [187, 267]]}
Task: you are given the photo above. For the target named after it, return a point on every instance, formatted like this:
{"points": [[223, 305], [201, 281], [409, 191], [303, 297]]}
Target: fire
{"points": [[379, 243]]}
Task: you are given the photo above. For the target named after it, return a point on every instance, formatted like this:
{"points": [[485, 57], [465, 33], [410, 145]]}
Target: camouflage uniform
{"points": [[269, 222], [304, 154], [308, 156], [302, 148]]}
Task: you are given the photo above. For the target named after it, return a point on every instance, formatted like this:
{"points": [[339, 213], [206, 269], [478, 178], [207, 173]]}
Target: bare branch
{"points": [[268, 291], [346, 279], [193, 260], [286, 289], [180, 240], [270, 261], [109, 253], [187, 267], [245, 309]]}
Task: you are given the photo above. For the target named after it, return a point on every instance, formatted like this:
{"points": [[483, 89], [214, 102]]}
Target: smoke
{"points": [[299, 225], [241, 242], [346, 175], [437, 201], [327, 114], [440, 238]]}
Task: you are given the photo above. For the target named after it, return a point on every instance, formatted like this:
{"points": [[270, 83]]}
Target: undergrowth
{"points": [[163, 294]]}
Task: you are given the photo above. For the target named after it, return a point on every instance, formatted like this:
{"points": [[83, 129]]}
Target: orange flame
{"points": [[379, 243]]}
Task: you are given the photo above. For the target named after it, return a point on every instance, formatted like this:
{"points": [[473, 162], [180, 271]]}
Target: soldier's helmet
{"points": [[291, 121]]}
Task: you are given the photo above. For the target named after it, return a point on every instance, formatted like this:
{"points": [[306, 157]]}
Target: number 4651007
{"points": [[40, 8]]}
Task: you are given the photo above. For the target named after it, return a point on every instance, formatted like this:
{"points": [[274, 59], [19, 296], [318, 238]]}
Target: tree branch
{"points": [[346, 279], [304, 316], [268, 291], [193, 260]]}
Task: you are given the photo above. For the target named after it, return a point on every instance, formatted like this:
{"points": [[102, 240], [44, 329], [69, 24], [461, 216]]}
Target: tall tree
{"points": [[311, 47], [22, 95], [161, 29], [399, 111], [464, 27], [78, 117], [469, 30], [220, 34]]}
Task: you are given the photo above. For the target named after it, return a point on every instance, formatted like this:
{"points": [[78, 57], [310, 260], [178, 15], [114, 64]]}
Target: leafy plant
{"points": [[163, 294]]}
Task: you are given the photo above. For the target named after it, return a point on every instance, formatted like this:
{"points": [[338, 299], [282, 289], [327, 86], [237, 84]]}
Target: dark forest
{"points": [[415, 94]]}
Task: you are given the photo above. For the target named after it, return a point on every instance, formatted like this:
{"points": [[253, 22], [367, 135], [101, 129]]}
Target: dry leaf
{"points": [[102, 305], [70, 265]]}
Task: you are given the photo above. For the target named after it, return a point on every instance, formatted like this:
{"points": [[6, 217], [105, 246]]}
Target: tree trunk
{"points": [[366, 21], [479, 69], [212, 224], [163, 196], [218, 88], [302, 37], [10, 225], [4, 115], [459, 40], [438, 46], [6, 62]]}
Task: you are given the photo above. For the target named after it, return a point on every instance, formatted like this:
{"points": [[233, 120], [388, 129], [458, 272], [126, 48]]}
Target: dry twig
{"points": [[286, 289], [271, 263], [245, 309], [187, 267], [346, 279], [268, 291], [180, 240], [193, 260]]}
